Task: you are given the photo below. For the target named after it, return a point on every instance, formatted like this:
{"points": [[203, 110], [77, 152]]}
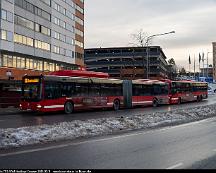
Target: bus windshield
{"points": [[31, 90]]}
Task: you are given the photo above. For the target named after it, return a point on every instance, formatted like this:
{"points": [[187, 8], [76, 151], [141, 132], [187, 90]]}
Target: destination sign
{"points": [[33, 80]]}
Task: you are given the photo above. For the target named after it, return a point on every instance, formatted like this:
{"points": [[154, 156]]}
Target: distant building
{"points": [[38, 36], [206, 72], [128, 62]]}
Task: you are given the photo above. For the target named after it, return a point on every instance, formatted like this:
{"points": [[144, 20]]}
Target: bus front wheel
{"points": [[179, 101], [198, 99], [116, 105], [155, 103], [68, 108]]}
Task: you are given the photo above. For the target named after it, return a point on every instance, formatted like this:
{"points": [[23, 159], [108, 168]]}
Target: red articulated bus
{"points": [[69, 90], [74, 90], [186, 91]]}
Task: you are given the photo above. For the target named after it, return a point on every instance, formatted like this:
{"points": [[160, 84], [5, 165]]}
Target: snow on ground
{"points": [[16, 137]]}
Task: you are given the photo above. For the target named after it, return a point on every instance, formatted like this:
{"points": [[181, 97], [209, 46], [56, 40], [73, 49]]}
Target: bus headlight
{"points": [[20, 105], [39, 106]]}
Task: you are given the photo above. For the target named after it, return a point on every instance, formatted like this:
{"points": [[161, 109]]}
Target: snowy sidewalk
{"points": [[76, 129]]}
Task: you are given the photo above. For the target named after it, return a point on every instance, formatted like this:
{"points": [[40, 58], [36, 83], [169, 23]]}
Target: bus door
{"points": [[52, 95]]}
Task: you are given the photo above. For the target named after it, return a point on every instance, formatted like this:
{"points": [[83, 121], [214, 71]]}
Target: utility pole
{"points": [[208, 63], [147, 48]]}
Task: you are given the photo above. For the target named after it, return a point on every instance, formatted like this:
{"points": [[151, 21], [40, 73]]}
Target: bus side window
{"points": [[68, 89], [104, 90], [114, 89], [95, 90], [82, 89], [52, 91]]}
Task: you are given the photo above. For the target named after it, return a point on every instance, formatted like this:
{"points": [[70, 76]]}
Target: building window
{"points": [[63, 38], [56, 21], [56, 35], [6, 35], [56, 49], [48, 2], [33, 9], [56, 6], [42, 45], [4, 14], [63, 24], [45, 30], [79, 32], [78, 43], [3, 35], [81, 10], [62, 51], [64, 11], [9, 16], [23, 40], [23, 22], [30, 42]]}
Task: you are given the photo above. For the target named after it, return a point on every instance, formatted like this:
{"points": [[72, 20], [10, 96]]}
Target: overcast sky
{"points": [[110, 23]]}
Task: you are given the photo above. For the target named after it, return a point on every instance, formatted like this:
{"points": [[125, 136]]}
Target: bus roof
{"points": [[81, 79], [147, 82], [79, 73]]}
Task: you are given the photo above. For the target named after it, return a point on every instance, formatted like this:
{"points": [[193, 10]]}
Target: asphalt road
{"points": [[185, 146], [29, 119]]}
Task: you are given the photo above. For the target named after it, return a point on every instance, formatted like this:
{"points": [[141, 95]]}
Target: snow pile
{"points": [[15, 137]]}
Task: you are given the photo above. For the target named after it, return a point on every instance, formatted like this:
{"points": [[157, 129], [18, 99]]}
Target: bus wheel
{"points": [[201, 98], [68, 107], [155, 103], [179, 101], [116, 105], [198, 98]]}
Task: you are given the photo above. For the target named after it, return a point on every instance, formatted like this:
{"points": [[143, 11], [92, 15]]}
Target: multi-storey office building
{"points": [[128, 62], [40, 36]]}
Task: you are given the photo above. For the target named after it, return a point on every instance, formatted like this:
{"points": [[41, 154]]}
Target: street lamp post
{"points": [[208, 64], [147, 48]]}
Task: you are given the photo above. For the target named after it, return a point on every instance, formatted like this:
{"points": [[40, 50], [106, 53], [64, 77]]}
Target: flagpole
{"points": [[200, 58], [189, 65], [189, 70], [194, 66], [203, 65], [199, 71]]}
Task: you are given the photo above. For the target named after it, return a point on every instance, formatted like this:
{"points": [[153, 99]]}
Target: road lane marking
{"points": [[97, 140], [2, 120], [175, 166]]}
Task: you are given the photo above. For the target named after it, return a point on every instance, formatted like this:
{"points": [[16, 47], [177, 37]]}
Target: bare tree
{"points": [[140, 38]]}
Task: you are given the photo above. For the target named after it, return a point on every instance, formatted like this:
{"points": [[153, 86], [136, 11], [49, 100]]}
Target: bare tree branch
{"points": [[141, 38]]}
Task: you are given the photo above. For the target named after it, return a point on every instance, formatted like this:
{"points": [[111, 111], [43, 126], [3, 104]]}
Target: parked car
{"points": [[211, 91], [213, 87]]}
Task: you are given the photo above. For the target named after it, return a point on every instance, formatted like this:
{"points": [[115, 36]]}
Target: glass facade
{"points": [[33, 63]]}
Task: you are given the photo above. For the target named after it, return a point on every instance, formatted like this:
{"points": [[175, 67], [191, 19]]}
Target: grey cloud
{"points": [[110, 22]]}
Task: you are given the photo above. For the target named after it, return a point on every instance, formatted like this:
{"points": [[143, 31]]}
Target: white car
{"points": [[211, 91], [213, 87]]}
